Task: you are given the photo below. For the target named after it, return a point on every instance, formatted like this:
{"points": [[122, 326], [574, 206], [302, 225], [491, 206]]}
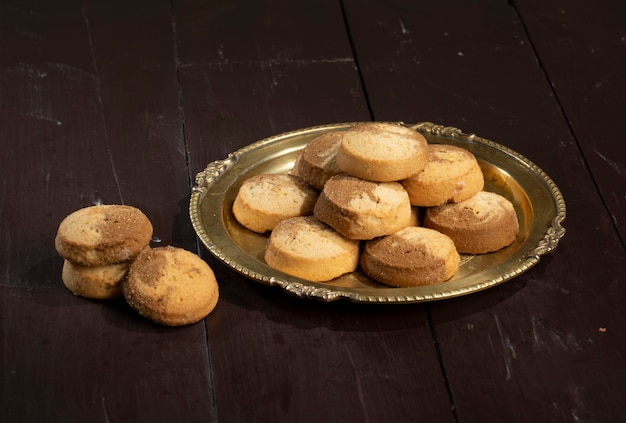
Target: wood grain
{"points": [[121, 102], [517, 351], [90, 109], [583, 50]]}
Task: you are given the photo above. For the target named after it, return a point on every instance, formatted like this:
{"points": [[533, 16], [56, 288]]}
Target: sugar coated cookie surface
{"points": [[171, 286], [317, 161], [382, 152], [103, 234], [307, 248], [96, 282], [360, 209], [414, 256], [451, 174], [483, 223], [264, 200]]}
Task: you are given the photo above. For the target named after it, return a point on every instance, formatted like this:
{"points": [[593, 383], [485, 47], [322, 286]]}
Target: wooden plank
{"points": [[241, 31], [84, 88], [277, 358], [451, 64], [533, 349], [581, 46], [308, 361], [72, 360]]}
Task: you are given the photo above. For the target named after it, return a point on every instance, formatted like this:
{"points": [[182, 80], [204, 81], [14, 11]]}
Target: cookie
{"points": [[360, 209], [171, 286], [264, 200], [96, 282], [485, 222], [103, 234], [317, 162], [309, 249], [451, 174], [382, 152], [413, 256]]}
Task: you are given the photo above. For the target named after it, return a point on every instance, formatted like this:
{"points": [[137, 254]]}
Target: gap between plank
{"points": [[433, 334], [356, 60], [518, 14]]}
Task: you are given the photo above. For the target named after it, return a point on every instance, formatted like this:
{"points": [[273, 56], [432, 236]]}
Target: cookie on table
{"points": [[485, 222], [264, 200], [360, 209], [382, 152], [413, 256], [97, 282], [103, 234], [451, 174], [309, 249], [317, 162], [171, 286]]}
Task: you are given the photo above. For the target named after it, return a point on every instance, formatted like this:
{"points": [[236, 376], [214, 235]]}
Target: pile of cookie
{"points": [[107, 254], [376, 196]]}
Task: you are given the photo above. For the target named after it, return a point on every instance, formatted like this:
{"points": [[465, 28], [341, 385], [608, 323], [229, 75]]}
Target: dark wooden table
{"points": [[125, 101]]}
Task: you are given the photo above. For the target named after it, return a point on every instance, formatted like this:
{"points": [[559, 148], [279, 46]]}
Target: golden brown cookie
{"points": [[307, 248], [414, 256], [360, 209], [103, 234], [483, 223], [171, 286], [97, 282], [317, 162], [451, 174], [264, 200], [382, 152]]}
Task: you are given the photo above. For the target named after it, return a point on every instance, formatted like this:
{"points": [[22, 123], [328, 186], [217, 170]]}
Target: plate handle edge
{"points": [[441, 130], [213, 171], [551, 240]]}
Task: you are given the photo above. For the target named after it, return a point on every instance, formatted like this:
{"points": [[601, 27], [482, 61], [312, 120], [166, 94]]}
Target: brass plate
{"points": [[538, 202]]}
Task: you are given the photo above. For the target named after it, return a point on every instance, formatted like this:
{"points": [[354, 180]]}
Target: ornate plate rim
{"points": [[216, 238]]}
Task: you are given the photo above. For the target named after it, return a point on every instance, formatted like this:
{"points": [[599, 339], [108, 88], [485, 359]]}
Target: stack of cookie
{"points": [[106, 255], [98, 244], [372, 180]]}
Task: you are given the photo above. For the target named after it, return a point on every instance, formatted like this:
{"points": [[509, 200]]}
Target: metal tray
{"points": [[538, 202]]}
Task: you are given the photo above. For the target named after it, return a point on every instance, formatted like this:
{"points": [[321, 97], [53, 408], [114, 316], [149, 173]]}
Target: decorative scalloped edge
{"points": [[440, 130], [213, 171], [548, 244]]}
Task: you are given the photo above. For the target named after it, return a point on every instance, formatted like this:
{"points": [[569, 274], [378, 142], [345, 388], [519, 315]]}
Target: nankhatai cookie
{"points": [[382, 152], [309, 249], [103, 234], [317, 162], [264, 200], [483, 223], [171, 286], [360, 209], [413, 256], [96, 282], [451, 174]]}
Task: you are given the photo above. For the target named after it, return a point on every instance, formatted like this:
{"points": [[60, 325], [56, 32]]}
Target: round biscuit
{"points": [[451, 174], [484, 223], [96, 282], [103, 234], [309, 249], [413, 256], [264, 200], [360, 209], [171, 286], [317, 162], [382, 152]]}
